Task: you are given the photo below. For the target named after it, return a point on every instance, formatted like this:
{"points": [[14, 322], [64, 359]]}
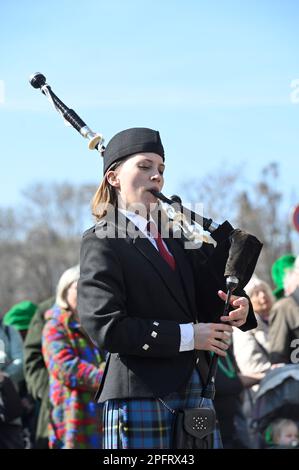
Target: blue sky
{"points": [[214, 78]]}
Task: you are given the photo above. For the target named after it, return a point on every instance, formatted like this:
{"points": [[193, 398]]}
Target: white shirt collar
{"points": [[138, 220], [141, 224]]}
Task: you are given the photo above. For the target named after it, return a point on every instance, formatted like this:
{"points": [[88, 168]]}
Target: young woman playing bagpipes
{"points": [[149, 300]]}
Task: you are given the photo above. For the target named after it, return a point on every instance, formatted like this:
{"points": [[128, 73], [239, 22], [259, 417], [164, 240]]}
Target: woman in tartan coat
{"points": [[141, 302], [75, 368]]}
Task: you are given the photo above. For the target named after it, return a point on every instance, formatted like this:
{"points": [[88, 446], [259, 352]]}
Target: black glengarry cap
{"points": [[131, 141]]}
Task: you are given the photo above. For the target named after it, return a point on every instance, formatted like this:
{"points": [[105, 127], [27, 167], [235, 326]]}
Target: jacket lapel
{"points": [[185, 272], [126, 229], [165, 272]]}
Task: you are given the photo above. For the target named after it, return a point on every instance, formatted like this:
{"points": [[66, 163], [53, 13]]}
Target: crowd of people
{"points": [[113, 368], [57, 369]]}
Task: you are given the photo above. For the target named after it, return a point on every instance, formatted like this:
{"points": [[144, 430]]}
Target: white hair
{"points": [[66, 280], [257, 282]]}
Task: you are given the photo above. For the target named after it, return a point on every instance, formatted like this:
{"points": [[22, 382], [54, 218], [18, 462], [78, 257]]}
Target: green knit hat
{"points": [[20, 315], [278, 272]]}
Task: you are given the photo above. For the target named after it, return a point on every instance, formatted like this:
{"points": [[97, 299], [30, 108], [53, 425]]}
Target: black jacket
{"points": [[131, 304]]}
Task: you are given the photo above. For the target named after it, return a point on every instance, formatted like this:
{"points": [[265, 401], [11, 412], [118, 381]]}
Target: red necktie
{"points": [[152, 229]]}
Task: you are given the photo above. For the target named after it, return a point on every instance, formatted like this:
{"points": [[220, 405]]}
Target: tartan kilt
{"points": [[146, 423]]}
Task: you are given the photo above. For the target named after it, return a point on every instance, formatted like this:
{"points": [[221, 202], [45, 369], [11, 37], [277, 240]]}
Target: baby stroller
{"points": [[277, 397]]}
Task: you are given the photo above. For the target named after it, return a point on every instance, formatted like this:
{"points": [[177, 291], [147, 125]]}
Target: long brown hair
{"points": [[105, 195]]}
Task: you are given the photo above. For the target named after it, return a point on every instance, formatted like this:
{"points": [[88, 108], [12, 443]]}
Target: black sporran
{"points": [[194, 428]]}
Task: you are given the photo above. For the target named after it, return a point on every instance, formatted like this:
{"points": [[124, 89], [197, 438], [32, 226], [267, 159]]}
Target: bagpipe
{"points": [[38, 80], [243, 249]]}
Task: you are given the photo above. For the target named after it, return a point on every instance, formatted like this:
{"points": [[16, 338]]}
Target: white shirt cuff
{"points": [[187, 337]]}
